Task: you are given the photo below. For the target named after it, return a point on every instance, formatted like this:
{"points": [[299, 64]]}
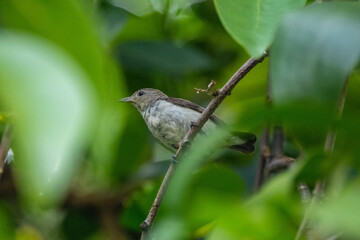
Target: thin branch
{"points": [[4, 147], [304, 193], [278, 142], [278, 164], [207, 90], [331, 135], [263, 158], [277, 161], [221, 94], [328, 148], [306, 217], [336, 236], [265, 151], [146, 225]]}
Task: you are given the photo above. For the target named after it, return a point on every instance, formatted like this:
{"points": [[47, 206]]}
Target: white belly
{"points": [[169, 123]]}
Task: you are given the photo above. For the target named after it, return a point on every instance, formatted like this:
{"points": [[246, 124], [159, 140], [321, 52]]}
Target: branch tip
{"points": [[145, 226], [207, 90]]}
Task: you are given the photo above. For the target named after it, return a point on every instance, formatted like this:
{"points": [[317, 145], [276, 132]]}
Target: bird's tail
{"points": [[242, 141]]}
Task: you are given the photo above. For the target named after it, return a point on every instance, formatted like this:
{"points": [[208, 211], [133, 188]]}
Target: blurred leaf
{"points": [[160, 5], [255, 219], [206, 191], [162, 230], [200, 150], [299, 120], [6, 227], [317, 166], [340, 215], [137, 206], [80, 224], [133, 215], [51, 99], [131, 150], [314, 51], [114, 20], [163, 57], [253, 23], [152, 27], [27, 232], [64, 23], [172, 7], [207, 179], [137, 7], [151, 171], [68, 25], [205, 11]]}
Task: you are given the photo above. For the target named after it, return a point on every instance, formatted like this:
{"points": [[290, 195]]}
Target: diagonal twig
{"points": [[263, 158], [221, 94], [265, 151], [4, 147], [207, 90], [328, 148]]}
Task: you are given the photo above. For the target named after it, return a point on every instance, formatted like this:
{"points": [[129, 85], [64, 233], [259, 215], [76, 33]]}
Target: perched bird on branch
{"points": [[169, 119]]}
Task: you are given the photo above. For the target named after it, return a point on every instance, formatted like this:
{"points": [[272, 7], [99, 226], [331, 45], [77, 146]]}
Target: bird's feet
{"points": [[173, 159]]}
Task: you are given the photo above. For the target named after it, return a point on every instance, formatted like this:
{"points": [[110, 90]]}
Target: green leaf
{"points": [[340, 214], [62, 22], [66, 24], [314, 51], [172, 7], [253, 23], [161, 231], [51, 100], [6, 223], [201, 149], [151, 57], [201, 203], [136, 7], [113, 20], [273, 204]]}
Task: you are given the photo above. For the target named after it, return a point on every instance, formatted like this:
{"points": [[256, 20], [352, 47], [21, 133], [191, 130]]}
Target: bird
{"points": [[169, 119]]}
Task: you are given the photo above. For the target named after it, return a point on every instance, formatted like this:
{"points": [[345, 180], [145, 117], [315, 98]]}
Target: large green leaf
{"points": [[6, 223], [253, 23], [339, 215], [113, 19], [273, 204], [147, 57], [62, 22], [52, 100], [67, 24], [313, 52]]}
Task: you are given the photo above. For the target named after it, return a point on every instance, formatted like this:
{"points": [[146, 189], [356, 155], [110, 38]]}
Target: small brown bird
{"points": [[169, 119]]}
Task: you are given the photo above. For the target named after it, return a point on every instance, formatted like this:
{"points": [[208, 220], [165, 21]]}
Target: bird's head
{"points": [[144, 98]]}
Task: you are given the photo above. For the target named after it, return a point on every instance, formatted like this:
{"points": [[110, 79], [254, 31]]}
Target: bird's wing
{"points": [[187, 104]]}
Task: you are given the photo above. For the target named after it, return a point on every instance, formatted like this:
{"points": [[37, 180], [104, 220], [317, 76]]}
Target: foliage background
{"points": [[86, 166]]}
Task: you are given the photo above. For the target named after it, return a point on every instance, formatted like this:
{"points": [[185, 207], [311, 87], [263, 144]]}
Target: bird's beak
{"points": [[127, 99]]}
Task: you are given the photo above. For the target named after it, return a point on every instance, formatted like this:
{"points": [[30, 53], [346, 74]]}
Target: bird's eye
{"points": [[141, 93]]}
